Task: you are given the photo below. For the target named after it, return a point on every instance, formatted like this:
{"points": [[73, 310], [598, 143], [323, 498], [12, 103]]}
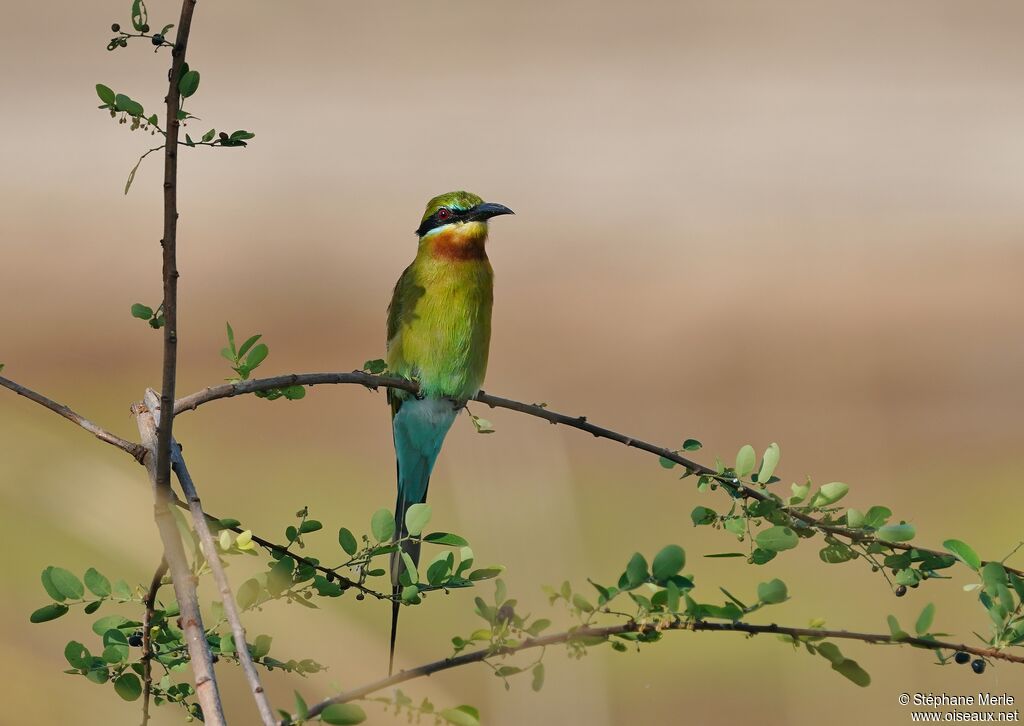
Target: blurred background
{"points": [[736, 221]]}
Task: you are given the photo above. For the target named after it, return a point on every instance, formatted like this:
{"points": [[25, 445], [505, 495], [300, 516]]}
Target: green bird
{"points": [[439, 332]]}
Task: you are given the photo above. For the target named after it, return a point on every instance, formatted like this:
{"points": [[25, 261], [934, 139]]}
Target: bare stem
{"points": [[586, 631], [209, 548], [147, 644], [61, 410], [181, 575]]}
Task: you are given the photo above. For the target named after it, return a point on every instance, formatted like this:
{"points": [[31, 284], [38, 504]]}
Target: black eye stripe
{"points": [[434, 220]]}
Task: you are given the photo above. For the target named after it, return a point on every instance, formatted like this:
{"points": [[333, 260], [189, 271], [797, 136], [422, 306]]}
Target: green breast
{"points": [[441, 325]]}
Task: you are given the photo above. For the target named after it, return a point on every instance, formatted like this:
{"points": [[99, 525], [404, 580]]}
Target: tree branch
{"points": [[169, 243], [147, 645], [585, 631], [181, 575], [209, 548], [228, 390], [61, 410]]}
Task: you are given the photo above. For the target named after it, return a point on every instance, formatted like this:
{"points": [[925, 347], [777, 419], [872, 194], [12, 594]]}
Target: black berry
{"points": [[330, 577], [978, 666], [135, 641], [115, 27], [360, 596], [901, 591], [158, 39], [961, 657]]}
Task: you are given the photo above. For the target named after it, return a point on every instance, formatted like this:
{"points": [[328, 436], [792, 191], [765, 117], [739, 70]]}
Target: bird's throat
{"points": [[463, 241]]}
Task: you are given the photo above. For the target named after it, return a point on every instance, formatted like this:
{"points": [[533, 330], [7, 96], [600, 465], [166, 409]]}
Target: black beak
{"points": [[485, 211]]}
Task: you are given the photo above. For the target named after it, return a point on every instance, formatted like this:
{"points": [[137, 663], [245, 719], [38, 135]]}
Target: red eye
{"points": [[444, 213]]}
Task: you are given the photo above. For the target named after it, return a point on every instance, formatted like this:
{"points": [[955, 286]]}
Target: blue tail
{"points": [[419, 428]]}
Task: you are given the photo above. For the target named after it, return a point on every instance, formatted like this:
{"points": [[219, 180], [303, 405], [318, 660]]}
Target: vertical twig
{"points": [[181, 576], [169, 244], [147, 642], [209, 548]]}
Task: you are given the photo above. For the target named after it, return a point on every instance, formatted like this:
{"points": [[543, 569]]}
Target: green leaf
{"points": [[538, 677], [126, 104], [105, 94], [896, 532], [294, 393], [301, 709], [375, 366], [894, 628], [261, 646], [768, 463], [256, 356], [310, 525], [143, 312], [836, 553], [636, 570], [50, 588], [48, 612], [139, 15], [772, 592], [877, 516], [831, 653], [189, 83], [777, 539], [128, 686], [830, 494], [77, 655], [854, 518], [462, 716], [800, 492], [666, 463], [382, 525], [241, 135], [248, 593], [692, 445], [347, 540], [248, 344], [110, 622], [745, 460], [853, 671], [66, 583], [98, 584], [702, 515], [924, 620], [668, 562], [416, 518], [342, 714], [964, 552], [445, 538]]}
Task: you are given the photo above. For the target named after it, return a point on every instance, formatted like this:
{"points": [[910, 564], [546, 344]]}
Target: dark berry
{"points": [[135, 641], [874, 568], [158, 39], [901, 591], [360, 596], [144, 28], [978, 666], [961, 657], [330, 577], [116, 28]]}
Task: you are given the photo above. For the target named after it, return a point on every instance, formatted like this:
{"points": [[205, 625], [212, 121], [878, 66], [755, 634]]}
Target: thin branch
{"points": [[299, 559], [61, 410], [147, 645], [477, 656], [209, 548], [169, 243], [228, 390], [181, 575]]}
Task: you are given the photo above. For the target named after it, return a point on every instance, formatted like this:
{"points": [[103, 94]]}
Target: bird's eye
{"points": [[444, 213]]}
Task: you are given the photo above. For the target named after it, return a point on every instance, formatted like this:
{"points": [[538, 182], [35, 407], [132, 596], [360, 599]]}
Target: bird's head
{"points": [[455, 224]]}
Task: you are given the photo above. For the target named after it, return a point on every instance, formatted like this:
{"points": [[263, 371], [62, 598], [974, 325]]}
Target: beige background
{"points": [[744, 222]]}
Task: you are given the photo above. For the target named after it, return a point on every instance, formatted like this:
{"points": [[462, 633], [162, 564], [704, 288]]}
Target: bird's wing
{"points": [[400, 311]]}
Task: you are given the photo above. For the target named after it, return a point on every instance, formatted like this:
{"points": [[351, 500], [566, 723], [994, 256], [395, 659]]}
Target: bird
{"points": [[438, 335]]}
